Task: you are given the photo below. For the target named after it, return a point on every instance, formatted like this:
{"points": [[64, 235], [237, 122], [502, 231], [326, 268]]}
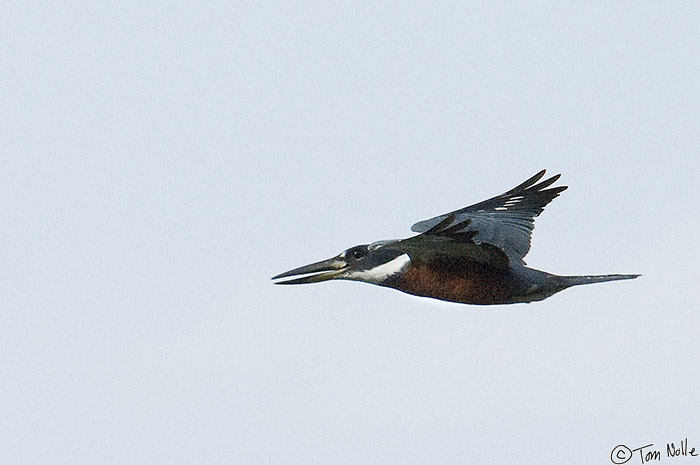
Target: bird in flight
{"points": [[473, 255]]}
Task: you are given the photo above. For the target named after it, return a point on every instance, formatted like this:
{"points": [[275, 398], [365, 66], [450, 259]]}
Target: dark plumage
{"points": [[473, 255]]}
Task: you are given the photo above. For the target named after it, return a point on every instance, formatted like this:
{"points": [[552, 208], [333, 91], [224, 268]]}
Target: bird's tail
{"points": [[569, 281]]}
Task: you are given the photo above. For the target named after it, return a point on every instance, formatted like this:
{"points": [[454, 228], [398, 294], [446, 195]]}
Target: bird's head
{"points": [[371, 263]]}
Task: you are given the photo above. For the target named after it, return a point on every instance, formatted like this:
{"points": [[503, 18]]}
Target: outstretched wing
{"points": [[505, 221]]}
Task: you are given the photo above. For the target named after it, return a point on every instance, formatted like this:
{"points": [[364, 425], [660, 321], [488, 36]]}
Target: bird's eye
{"points": [[359, 253]]}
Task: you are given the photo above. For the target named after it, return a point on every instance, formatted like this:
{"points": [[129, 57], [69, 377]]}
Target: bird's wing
{"points": [[505, 221]]}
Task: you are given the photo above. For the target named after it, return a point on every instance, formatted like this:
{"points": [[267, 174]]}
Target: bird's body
{"points": [[473, 255]]}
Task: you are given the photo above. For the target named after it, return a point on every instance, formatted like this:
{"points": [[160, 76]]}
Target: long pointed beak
{"points": [[324, 270]]}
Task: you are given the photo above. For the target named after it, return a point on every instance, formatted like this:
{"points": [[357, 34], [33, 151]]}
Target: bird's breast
{"points": [[460, 281]]}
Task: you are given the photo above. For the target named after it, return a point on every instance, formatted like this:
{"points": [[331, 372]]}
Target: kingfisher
{"points": [[473, 255]]}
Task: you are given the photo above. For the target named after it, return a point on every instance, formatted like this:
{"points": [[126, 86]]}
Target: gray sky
{"points": [[161, 161]]}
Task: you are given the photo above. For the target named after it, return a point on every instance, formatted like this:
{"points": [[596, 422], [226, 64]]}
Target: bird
{"points": [[474, 255]]}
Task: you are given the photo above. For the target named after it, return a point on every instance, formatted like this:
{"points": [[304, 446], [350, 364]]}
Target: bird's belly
{"points": [[473, 284]]}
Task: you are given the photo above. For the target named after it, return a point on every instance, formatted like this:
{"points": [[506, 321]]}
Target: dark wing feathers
{"points": [[505, 221]]}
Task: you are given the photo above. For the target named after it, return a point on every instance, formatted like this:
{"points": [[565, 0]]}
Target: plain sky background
{"points": [[160, 161]]}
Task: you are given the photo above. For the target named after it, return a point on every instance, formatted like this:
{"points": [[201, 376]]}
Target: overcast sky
{"points": [[160, 161]]}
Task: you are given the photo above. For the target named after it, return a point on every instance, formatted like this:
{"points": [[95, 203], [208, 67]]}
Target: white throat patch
{"points": [[380, 273]]}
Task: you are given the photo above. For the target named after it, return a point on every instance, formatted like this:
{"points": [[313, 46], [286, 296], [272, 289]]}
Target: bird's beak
{"points": [[332, 268]]}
